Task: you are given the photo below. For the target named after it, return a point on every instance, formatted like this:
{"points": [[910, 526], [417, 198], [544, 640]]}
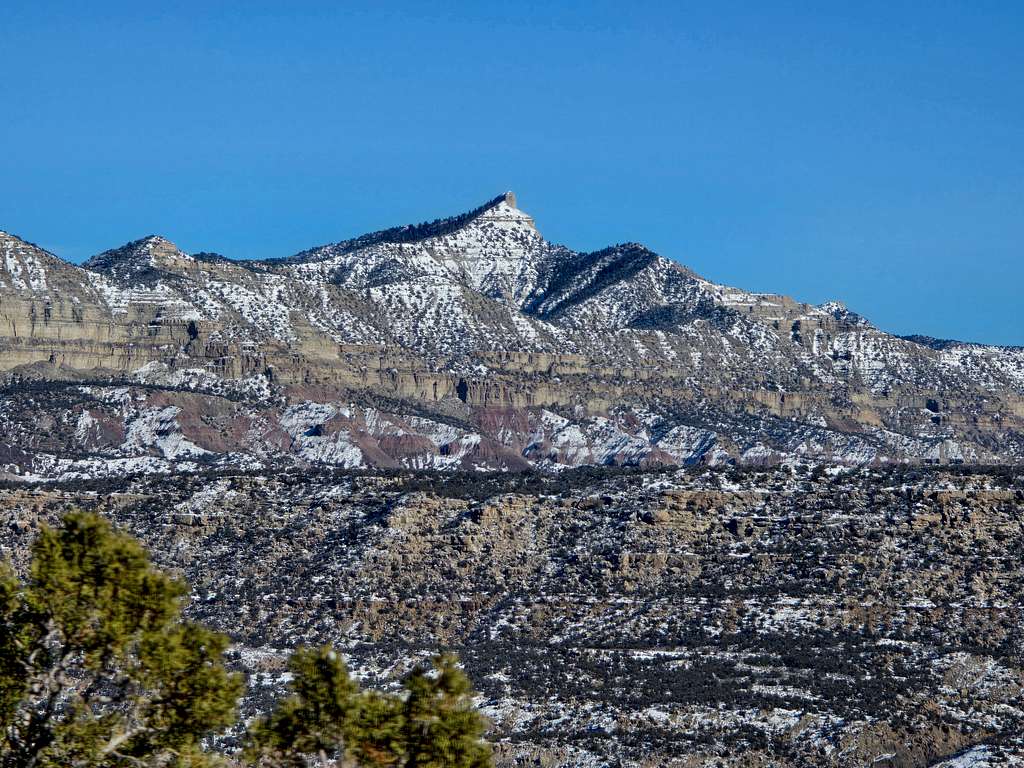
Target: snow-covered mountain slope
{"points": [[542, 355]]}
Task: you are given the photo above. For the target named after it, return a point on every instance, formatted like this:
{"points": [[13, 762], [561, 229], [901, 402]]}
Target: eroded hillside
{"points": [[468, 342], [702, 617]]}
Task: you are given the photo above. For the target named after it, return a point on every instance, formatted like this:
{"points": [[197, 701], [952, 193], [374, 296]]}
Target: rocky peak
{"points": [[10, 241], [23, 265], [141, 260], [840, 312], [499, 212], [496, 247], [503, 212]]}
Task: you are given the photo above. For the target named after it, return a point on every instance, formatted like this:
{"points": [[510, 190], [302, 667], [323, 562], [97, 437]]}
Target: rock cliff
{"points": [[465, 342]]}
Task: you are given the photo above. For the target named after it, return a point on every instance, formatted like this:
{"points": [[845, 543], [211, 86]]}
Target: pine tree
{"points": [[441, 727], [97, 668], [317, 720], [328, 720]]}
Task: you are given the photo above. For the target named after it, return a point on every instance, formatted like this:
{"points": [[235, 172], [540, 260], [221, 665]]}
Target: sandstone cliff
{"points": [[485, 345]]}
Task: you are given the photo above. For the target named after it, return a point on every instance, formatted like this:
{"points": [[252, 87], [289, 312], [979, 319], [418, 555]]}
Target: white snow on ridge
{"points": [[157, 428], [265, 310], [975, 757], [23, 267], [119, 300]]}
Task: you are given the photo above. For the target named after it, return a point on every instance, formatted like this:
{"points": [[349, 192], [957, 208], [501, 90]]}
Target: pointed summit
{"points": [[499, 210], [142, 260], [503, 212]]}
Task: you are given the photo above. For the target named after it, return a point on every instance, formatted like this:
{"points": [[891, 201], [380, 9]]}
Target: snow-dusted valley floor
{"points": [[701, 617]]}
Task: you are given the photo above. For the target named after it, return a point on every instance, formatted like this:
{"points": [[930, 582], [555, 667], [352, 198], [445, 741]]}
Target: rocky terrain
{"points": [[665, 522], [465, 343], [709, 616]]}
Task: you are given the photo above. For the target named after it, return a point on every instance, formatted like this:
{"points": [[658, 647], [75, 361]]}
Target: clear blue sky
{"points": [[871, 152]]}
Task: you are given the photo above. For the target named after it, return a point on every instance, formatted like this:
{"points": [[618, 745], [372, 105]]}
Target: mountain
{"points": [[466, 342]]}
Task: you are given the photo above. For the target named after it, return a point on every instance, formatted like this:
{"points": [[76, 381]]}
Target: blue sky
{"points": [[870, 152]]}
